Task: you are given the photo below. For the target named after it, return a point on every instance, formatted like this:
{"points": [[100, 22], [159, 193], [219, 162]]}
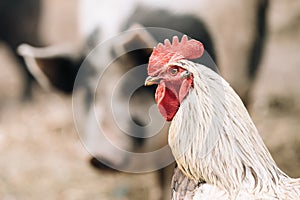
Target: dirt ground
{"points": [[43, 158]]}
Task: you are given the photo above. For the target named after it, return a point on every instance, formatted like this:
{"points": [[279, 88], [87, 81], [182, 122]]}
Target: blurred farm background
{"points": [[41, 156]]}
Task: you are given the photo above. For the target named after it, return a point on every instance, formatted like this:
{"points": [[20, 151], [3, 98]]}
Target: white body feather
{"points": [[213, 139]]}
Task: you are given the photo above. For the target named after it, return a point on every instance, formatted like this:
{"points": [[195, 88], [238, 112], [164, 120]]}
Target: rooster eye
{"points": [[173, 71]]}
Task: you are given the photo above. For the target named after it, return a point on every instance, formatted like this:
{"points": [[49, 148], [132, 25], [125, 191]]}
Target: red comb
{"points": [[163, 54]]}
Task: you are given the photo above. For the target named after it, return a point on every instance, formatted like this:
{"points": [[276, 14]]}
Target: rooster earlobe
{"points": [[185, 88]]}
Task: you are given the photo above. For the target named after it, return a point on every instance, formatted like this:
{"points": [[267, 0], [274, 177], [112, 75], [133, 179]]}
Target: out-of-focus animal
{"points": [[57, 67], [212, 137], [19, 23]]}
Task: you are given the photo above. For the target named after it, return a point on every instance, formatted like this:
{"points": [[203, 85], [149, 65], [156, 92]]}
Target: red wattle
{"points": [[167, 101]]}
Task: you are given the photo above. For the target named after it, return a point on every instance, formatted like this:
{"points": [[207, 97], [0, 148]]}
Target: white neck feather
{"points": [[213, 138]]}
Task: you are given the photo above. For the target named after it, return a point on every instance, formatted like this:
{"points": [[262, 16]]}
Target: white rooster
{"points": [[212, 137]]}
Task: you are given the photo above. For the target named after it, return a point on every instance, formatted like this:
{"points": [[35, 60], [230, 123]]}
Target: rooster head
{"points": [[173, 81]]}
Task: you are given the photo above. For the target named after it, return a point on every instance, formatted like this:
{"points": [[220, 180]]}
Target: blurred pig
{"points": [[19, 23], [56, 67]]}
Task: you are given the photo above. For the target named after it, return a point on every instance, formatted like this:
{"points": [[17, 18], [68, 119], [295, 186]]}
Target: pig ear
{"points": [[93, 39], [53, 66], [137, 38]]}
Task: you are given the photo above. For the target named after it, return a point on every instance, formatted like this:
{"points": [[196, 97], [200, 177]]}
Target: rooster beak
{"points": [[151, 80]]}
